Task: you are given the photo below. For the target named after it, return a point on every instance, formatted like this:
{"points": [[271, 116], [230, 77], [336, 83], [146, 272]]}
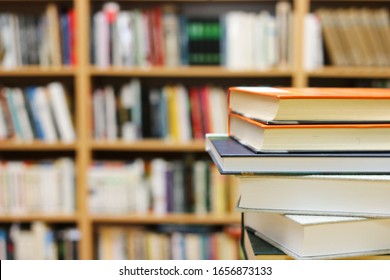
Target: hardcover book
{"points": [[309, 137], [350, 195], [231, 157], [256, 248], [311, 104], [321, 237]]}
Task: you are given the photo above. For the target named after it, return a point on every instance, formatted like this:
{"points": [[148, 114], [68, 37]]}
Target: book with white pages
{"points": [[321, 237], [350, 195]]}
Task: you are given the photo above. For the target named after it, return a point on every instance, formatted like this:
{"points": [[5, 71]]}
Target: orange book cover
{"points": [[309, 137], [266, 126], [321, 93], [332, 105]]}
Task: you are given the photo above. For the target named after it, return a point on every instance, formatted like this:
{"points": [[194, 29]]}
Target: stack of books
{"points": [[313, 170]]}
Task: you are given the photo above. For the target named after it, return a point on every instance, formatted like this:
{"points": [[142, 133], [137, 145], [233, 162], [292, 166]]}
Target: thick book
{"points": [[321, 237], [256, 248], [231, 157], [309, 137], [337, 195], [311, 104]]}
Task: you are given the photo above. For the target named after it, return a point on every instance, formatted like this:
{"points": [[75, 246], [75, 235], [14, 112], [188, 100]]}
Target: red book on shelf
{"points": [[196, 114], [204, 101], [72, 36]]}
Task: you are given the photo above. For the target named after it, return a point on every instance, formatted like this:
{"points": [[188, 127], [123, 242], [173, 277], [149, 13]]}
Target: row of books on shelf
{"points": [[37, 241], [356, 36], [45, 187], [168, 242], [172, 112], [163, 35], [45, 39], [314, 199], [159, 187], [36, 113]]}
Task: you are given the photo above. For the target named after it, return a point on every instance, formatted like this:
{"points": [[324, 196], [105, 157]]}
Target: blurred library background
{"points": [[104, 107]]}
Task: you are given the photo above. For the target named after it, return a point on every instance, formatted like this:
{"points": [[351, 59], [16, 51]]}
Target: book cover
{"points": [[263, 137], [327, 105], [321, 237], [231, 157], [337, 195]]}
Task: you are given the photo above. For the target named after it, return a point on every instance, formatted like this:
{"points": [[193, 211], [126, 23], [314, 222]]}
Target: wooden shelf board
{"points": [[58, 218], [187, 72], [350, 72], [207, 219], [36, 146], [149, 145], [38, 71]]}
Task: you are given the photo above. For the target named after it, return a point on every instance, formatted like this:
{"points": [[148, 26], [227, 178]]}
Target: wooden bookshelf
{"points": [[149, 146], [206, 219], [36, 146], [83, 74], [55, 218], [351, 72], [188, 72]]}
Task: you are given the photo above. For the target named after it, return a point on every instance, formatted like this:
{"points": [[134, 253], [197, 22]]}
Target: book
{"points": [[321, 237], [256, 248], [57, 100], [309, 137], [337, 195], [311, 104], [231, 157]]}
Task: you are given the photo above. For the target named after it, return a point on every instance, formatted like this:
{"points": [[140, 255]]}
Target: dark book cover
{"points": [[260, 246], [231, 157]]}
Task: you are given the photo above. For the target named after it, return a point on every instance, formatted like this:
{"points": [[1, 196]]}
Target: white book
{"points": [[141, 41], [8, 38], [158, 185], [42, 106], [62, 117], [313, 52], [33, 189], [239, 34], [67, 188], [49, 188], [352, 195], [171, 38], [283, 22], [101, 39], [219, 113], [260, 37], [183, 113], [16, 187], [99, 119], [272, 42], [110, 110], [126, 40], [321, 237]]}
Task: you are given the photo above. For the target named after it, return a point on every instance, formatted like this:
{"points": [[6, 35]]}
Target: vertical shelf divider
{"points": [[299, 76], [83, 116]]}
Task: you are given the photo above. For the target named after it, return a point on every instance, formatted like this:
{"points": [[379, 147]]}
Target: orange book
{"points": [[309, 137], [329, 105]]}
